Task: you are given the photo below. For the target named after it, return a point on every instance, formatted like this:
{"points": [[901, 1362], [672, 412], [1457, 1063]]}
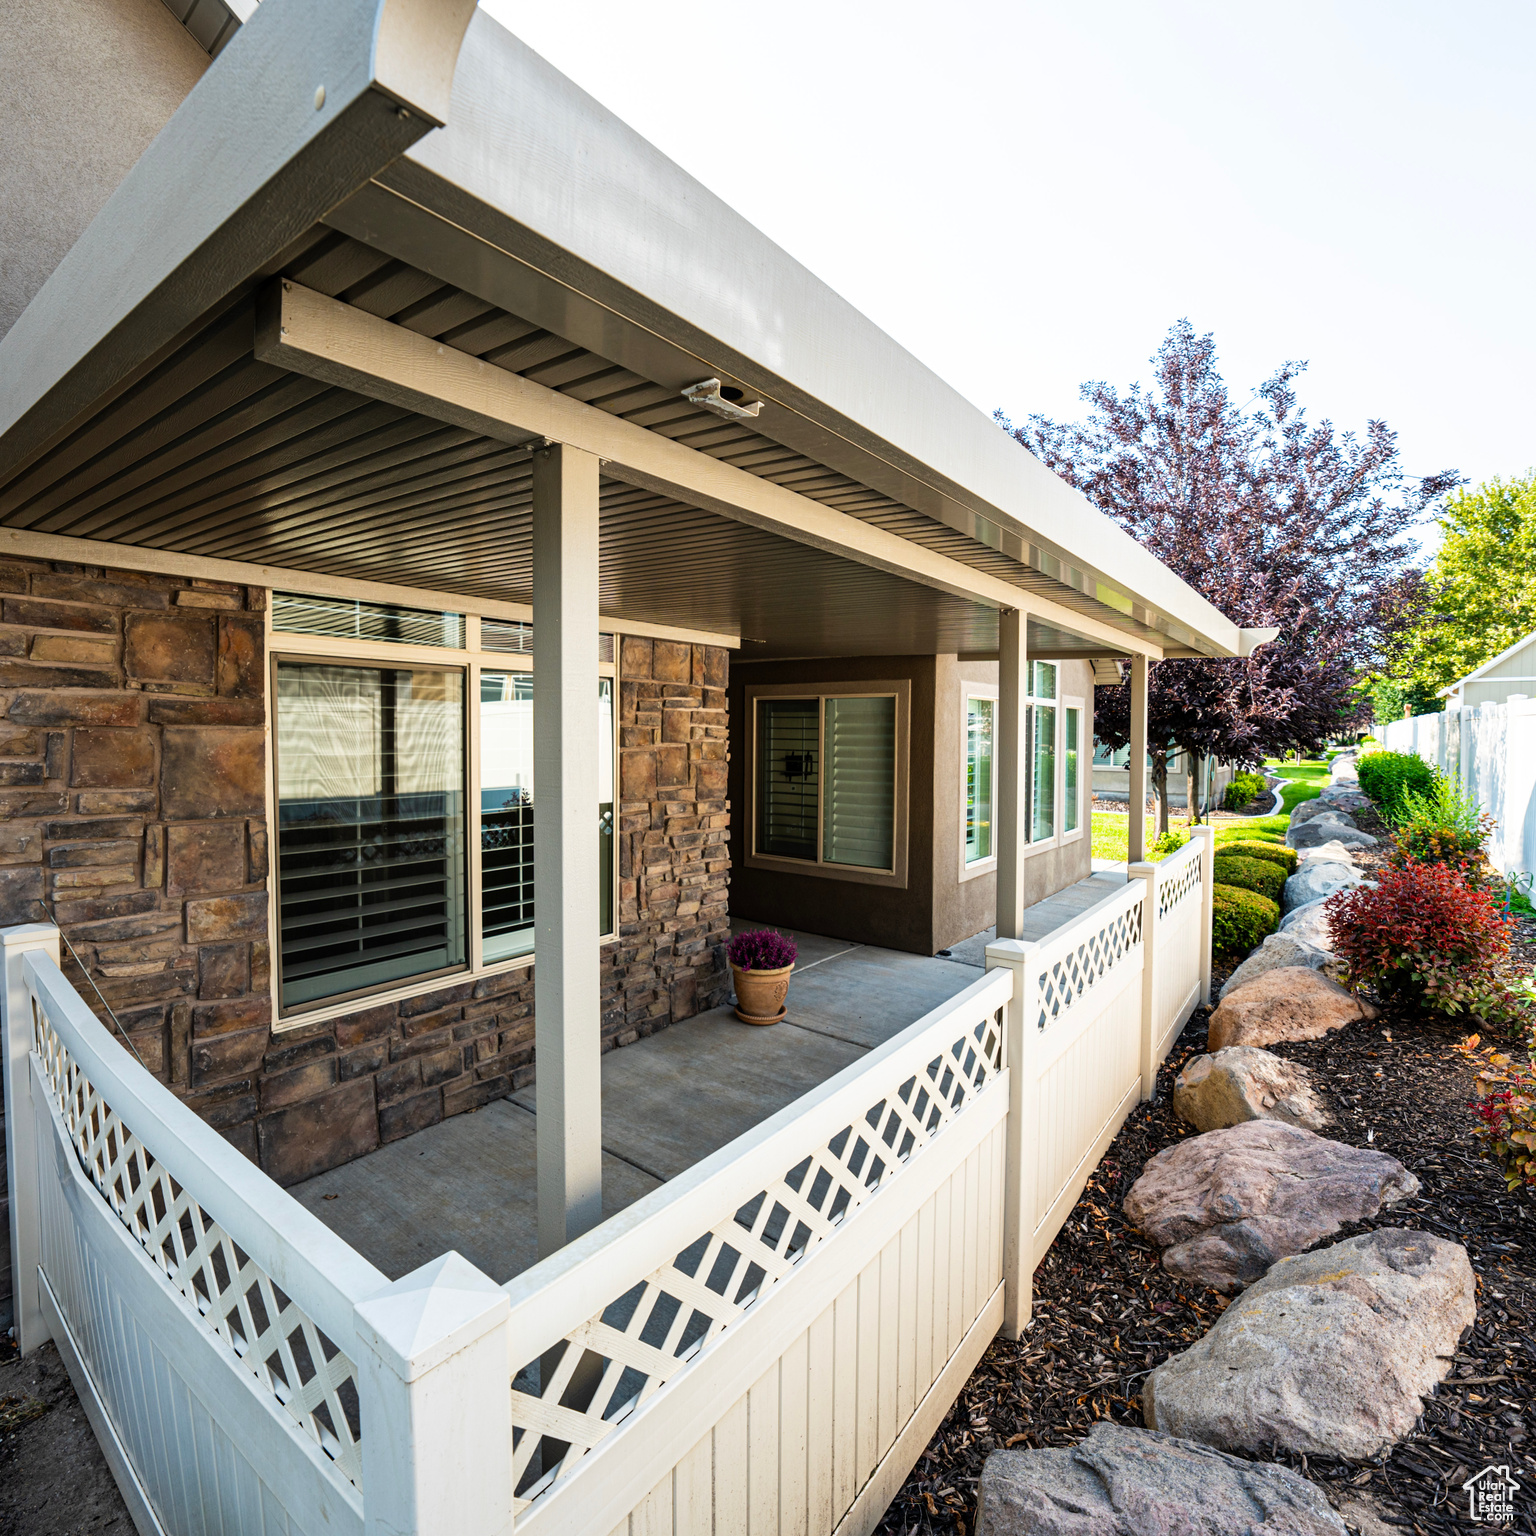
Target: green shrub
{"points": [[1260, 875], [1387, 776], [1240, 920], [1244, 789], [1276, 852], [1443, 825], [1170, 842]]}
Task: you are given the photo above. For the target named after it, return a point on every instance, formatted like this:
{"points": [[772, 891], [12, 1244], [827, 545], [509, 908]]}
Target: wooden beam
{"points": [[325, 339]]}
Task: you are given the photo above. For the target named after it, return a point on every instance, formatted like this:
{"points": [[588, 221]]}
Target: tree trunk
{"points": [[1192, 789], [1160, 786]]}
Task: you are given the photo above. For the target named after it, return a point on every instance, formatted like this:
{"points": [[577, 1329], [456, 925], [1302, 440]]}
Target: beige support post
{"points": [[567, 1008], [1012, 751], [1147, 873], [1138, 764], [1021, 1153], [20, 1130], [433, 1385], [1207, 836]]}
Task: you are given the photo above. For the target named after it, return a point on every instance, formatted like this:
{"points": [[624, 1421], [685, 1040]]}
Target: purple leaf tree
{"points": [[1275, 519]]}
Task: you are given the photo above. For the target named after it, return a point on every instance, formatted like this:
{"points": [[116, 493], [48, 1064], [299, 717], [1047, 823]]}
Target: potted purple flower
{"points": [[761, 961]]}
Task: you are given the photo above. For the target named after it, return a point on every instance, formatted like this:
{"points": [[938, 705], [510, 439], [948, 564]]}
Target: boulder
{"points": [[1314, 880], [1308, 925], [1330, 1354], [1309, 809], [1122, 1481], [1292, 1002], [1346, 797], [1226, 1205], [1279, 949], [1243, 1083], [1327, 829], [1331, 852]]}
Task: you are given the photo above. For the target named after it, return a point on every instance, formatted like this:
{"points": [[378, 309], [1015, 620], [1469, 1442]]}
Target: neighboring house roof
{"points": [[534, 211], [1479, 673]]}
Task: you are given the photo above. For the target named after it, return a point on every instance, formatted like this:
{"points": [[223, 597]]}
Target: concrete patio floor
{"points": [[667, 1101]]}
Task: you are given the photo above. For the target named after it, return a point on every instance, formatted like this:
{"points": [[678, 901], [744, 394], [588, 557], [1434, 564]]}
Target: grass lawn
{"points": [[1111, 834]]}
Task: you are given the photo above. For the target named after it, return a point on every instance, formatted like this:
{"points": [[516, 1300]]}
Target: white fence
{"points": [[1492, 749], [766, 1342]]}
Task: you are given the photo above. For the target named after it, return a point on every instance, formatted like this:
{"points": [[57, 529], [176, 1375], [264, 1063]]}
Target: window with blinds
{"points": [[859, 801], [297, 614], [788, 776], [371, 826]]}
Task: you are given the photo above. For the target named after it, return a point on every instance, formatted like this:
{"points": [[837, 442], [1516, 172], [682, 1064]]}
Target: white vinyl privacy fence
{"points": [[1491, 748], [766, 1342]]}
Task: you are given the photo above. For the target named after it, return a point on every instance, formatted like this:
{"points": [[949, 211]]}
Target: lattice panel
{"points": [[270, 1335], [1068, 979], [1178, 888], [585, 1385]]}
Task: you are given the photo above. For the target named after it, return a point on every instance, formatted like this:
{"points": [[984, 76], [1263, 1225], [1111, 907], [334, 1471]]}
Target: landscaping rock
{"points": [[1122, 1481], [1331, 852], [1346, 797], [1292, 1002], [1316, 879], [1279, 949], [1243, 1083], [1307, 925], [1330, 1354], [1326, 829], [1310, 809], [1226, 1205]]}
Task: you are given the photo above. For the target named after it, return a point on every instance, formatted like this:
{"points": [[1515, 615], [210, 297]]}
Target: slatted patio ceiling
{"points": [[212, 453]]}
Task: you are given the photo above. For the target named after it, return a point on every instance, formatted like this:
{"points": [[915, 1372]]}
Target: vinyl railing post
{"points": [[1147, 874], [1207, 837], [435, 1394], [1021, 1161], [21, 1131]]}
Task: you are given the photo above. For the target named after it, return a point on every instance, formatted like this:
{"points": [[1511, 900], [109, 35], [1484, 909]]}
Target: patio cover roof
{"points": [[310, 332]]}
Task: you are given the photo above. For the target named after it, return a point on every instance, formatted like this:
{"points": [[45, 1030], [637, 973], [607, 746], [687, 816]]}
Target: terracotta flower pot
{"points": [[760, 994]]}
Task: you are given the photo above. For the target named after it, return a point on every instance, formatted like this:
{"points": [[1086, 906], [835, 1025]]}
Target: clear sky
{"points": [[1026, 195]]}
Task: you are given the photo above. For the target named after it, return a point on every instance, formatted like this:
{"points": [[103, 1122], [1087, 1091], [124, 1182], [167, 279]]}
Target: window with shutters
{"points": [[828, 779], [403, 780]]}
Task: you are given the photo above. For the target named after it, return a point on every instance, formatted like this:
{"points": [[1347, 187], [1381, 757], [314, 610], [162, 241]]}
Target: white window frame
{"points": [[969, 691], [472, 660], [1033, 701], [898, 688], [1084, 767]]}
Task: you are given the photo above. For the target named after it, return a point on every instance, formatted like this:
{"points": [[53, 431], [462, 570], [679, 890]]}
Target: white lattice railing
{"points": [[253, 1269], [1073, 965], [619, 1315]]}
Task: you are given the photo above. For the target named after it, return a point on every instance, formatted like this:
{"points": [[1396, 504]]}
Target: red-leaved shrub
{"points": [[1425, 935]]}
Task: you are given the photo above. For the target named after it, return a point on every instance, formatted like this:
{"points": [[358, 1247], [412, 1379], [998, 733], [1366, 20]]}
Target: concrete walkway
{"points": [[470, 1183]]}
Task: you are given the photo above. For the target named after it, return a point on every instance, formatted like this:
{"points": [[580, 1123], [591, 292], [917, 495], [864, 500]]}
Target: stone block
{"points": [[96, 877], [13, 578], [671, 661], [111, 802], [86, 855], [365, 1061], [213, 771], [206, 711], [229, 1104], [122, 918], [370, 1024], [410, 1115], [223, 970], [234, 1055], [241, 671], [398, 1079], [205, 856], [256, 851], [37, 615], [301, 1083], [76, 709], [20, 742], [113, 757], [671, 766], [441, 1066], [474, 1095], [20, 843], [635, 657], [261, 965], [637, 775], [73, 830], [125, 592], [169, 647], [243, 1139], [30, 674], [301, 1140], [676, 725], [431, 1002], [21, 773], [192, 597], [99, 650], [216, 919], [230, 1014], [298, 1047], [179, 1044], [13, 642], [21, 888]]}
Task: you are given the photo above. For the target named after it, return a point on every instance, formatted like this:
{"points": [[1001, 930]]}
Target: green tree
{"points": [[1480, 589]]}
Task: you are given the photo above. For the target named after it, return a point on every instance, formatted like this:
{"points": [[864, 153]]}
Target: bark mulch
{"points": [[1106, 1313]]}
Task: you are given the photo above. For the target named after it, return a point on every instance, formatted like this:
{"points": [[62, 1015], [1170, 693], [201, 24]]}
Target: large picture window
{"points": [[828, 777], [405, 795]]}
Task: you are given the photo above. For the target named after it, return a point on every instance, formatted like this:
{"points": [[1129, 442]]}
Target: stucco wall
{"points": [[87, 85]]}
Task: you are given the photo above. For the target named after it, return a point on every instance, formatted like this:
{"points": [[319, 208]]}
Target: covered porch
{"points": [[668, 1101]]}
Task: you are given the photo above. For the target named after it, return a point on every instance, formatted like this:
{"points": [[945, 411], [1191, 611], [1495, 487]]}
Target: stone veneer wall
{"points": [[132, 801]]}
